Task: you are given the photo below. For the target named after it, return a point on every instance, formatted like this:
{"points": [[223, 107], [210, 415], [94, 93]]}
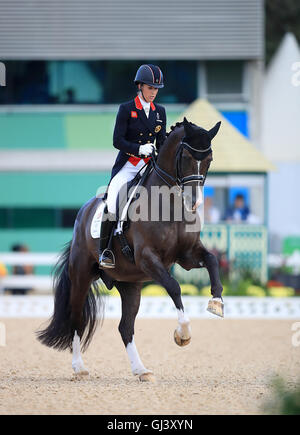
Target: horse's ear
{"points": [[187, 127], [212, 132]]}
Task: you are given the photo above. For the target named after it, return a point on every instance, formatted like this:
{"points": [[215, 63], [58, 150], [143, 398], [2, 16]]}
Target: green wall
{"points": [[32, 130], [49, 189], [43, 130], [89, 130], [38, 240]]}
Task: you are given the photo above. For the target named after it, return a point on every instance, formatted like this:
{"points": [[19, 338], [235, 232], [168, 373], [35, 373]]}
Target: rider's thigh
{"points": [[115, 185], [127, 173]]}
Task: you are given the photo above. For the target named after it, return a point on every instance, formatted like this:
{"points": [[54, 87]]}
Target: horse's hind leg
{"points": [[80, 288], [130, 297], [77, 362], [78, 296]]}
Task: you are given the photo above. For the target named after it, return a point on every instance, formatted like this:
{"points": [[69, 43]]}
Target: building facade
{"points": [[69, 64]]}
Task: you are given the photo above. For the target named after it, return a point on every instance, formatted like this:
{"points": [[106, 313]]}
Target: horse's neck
{"points": [[167, 154]]}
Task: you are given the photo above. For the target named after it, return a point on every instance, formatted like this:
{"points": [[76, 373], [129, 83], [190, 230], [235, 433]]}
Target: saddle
{"points": [[122, 221], [126, 197]]}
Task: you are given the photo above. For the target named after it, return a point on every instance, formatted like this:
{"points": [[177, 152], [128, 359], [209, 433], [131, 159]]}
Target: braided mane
{"points": [[174, 127], [177, 125]]}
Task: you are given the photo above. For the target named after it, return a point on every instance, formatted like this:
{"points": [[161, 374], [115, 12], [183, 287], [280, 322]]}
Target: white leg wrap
{"points": [[183, 328], [137, 366], [77, 362]]}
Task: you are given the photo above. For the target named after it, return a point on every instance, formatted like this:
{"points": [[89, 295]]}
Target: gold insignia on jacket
{"points": [[157, 128]]}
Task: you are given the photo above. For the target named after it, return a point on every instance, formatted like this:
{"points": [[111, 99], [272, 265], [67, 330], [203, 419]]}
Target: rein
{"points": [[179, 180]]}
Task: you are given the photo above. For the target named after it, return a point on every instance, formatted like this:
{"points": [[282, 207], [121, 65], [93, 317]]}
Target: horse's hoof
{"points": [[81, 373], [216, 307], [181, 341], [147, 377]]}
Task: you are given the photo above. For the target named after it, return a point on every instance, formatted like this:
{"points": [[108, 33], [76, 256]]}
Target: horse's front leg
{"points": [[215, 304], [152, 266], [182, 334], [200, 257], [130, 296]]}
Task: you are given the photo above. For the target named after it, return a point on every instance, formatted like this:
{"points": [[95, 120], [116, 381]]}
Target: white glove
{"points": [[146, 150]]}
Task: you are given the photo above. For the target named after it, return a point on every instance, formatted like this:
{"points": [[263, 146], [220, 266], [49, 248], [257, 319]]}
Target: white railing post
{"points": [[40, 282]]}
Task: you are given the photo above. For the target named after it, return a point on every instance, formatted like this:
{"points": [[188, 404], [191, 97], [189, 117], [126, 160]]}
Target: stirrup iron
{"points": [[107, 259]]}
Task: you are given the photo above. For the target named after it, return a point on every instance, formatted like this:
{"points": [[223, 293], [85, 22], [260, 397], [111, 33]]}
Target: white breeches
{"points": [[127, 173]]}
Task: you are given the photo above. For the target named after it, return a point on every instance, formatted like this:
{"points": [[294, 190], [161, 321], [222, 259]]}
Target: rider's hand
{"points": [[146, 150]]}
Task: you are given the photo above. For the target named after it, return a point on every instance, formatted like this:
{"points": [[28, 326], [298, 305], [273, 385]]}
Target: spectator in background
{"points": [[3, 270], [211, 213], [3, 273], [70, 96], [239, 211], [21, 270]]}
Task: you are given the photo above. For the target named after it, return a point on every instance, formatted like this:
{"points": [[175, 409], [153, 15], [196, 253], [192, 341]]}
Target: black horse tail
{"points": [[59, 333]]}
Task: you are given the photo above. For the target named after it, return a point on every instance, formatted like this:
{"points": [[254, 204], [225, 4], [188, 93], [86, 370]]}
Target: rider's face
{"points": [[149, 92]]}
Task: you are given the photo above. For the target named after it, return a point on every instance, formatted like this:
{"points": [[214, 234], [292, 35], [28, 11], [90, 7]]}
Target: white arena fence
{"points": [[41, 306], [151, 307], [38, 282]]}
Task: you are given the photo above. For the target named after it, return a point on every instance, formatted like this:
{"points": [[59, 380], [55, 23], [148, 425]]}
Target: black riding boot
{"points": [[106, 256]]}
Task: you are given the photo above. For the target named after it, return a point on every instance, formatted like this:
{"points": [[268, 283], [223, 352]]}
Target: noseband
{"points": [[179, 180]]}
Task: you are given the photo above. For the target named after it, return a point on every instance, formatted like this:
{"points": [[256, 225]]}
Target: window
{"points": [[37, 218], [224, 77], [68, 217], [92, 82]]}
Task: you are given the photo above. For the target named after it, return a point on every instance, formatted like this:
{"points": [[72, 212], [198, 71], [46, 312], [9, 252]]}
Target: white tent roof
{"points": [[232, 152], [280, 138]]}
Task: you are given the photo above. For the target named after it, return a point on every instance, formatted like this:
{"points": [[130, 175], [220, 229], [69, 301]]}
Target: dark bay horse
{"points": [[183, 161]]}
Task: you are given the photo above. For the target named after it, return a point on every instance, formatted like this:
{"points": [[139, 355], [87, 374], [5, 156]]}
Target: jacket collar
{"points": [[152, 106], [148, 122], [139, 106]]}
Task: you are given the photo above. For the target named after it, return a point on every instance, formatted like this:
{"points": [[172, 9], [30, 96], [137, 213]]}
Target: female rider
{"points": [[138, 125]]}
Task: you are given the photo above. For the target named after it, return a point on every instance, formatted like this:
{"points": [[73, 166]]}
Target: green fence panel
{"points": [[244, 245], [248, 249]]}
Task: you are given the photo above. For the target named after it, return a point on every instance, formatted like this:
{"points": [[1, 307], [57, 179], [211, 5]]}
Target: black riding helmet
{"points": [[150, 75]]}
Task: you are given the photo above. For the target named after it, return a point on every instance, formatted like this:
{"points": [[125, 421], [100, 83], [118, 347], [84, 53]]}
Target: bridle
{"points": [[180, 181]]}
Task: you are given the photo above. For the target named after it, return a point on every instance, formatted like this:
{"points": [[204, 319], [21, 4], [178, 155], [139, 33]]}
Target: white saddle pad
{"points": [[96, 222]]}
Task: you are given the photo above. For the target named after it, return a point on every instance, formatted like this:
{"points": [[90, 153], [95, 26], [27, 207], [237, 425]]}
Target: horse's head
{"points": [[193, 158], [184, 159]]}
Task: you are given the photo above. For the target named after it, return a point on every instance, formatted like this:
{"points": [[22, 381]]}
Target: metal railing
{"points": [[35, 282], [244, 245]]}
